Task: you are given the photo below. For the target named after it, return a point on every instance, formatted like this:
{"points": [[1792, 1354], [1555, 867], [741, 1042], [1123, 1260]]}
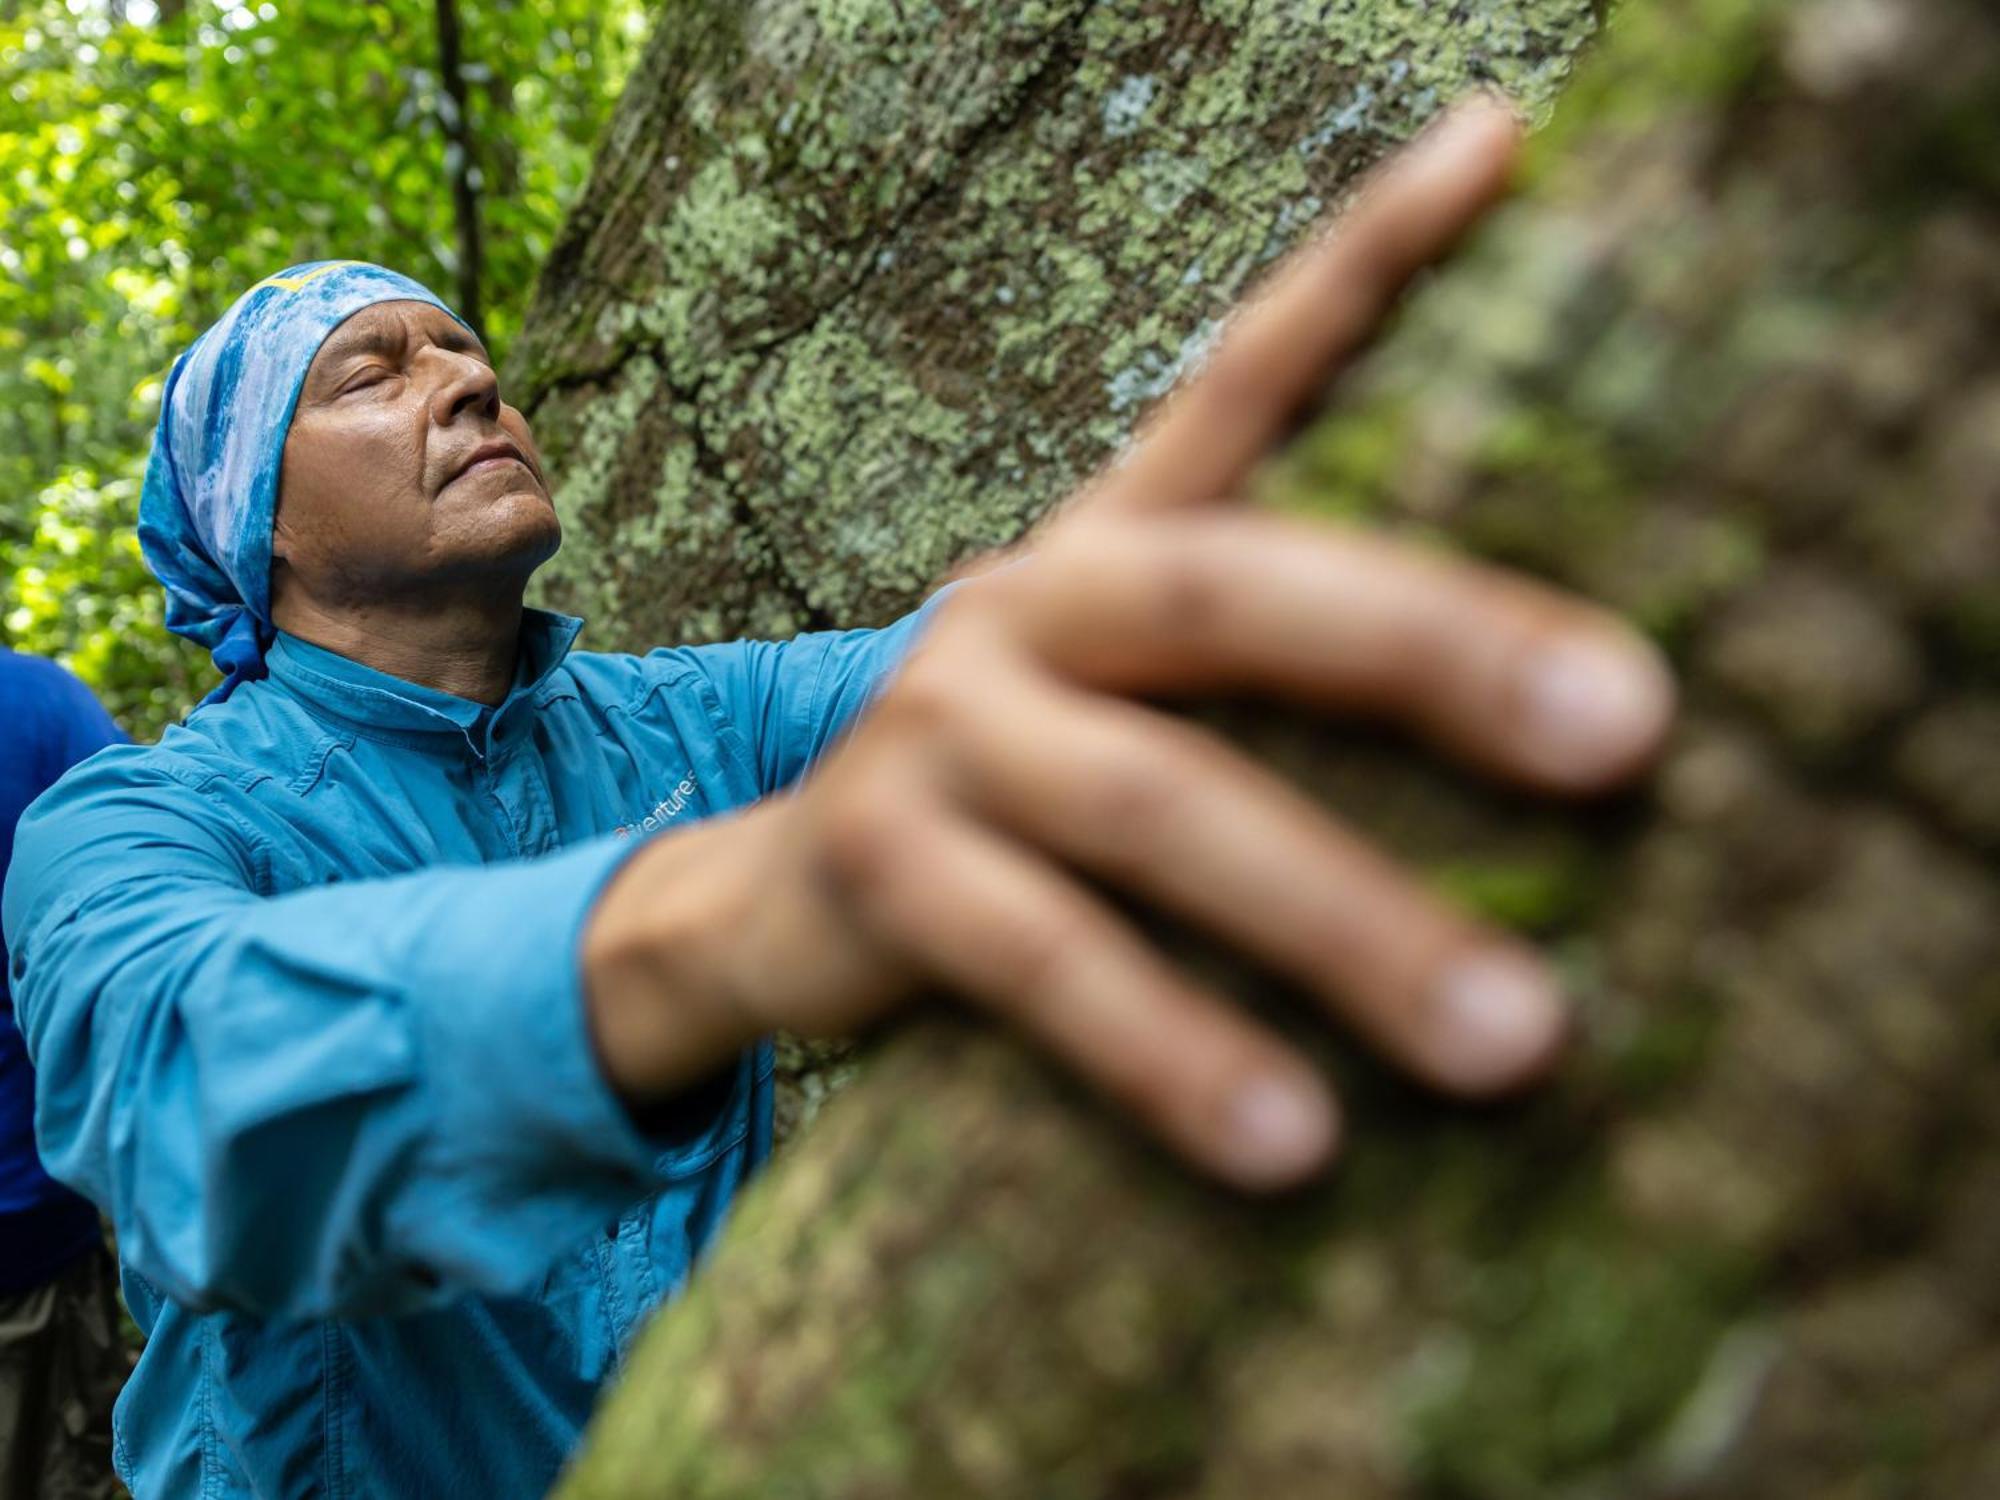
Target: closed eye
{"points": [[374, 375]]}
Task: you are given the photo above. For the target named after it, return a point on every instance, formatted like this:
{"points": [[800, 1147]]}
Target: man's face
{"points": [[380, 496]]}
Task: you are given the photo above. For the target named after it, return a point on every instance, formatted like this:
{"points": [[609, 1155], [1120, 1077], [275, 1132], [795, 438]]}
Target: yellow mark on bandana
{"points": [[293, 283]]}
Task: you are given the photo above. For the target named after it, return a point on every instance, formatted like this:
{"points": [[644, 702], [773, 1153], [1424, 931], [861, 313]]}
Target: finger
{"points": [[1508, 675], [1276, 356], [1161, 809], [1010, 932]]}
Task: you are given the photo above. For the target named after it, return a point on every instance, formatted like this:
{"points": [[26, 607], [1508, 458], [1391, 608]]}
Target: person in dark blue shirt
{"points": [[61, 1361]]}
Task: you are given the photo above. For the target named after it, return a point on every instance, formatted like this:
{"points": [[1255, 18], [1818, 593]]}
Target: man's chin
{"points": [[519, 527], [523, 504]]}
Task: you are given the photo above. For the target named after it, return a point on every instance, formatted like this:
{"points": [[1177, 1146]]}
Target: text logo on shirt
{"points": [[661, 811]]}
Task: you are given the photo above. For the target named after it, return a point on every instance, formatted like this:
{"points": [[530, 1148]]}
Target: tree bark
{"points": [[856, 288], [458, 162], [851, 295], [1728, 362]]}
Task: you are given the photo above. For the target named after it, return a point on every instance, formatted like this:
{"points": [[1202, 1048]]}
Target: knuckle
{"points": [[1418, 661], [1234, 384], [1125, 806], [1077, 556], [865, 841], [1167, 1092], [929, 697], [1180, 1089], [1343, 957], [1041, 956], [1425, 644], [1186, 593]]}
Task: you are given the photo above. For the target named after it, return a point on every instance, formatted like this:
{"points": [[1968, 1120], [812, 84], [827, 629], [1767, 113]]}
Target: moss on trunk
{"points": [[1730, 363]]}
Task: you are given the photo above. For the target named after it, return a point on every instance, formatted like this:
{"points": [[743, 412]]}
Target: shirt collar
{"points": [[381, 704]]}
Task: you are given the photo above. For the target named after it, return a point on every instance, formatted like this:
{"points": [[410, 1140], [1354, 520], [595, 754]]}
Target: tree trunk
{"points": [[1729, 362], [850, 296], [458, 162], [855, 289]]}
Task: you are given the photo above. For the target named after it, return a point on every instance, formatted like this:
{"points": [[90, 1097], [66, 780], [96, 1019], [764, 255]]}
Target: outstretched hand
{"points": [[952, 839]]}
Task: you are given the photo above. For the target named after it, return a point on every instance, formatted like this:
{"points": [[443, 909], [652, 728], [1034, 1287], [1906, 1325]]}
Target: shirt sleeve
{"points": [[793, 698], [360, 1098]]}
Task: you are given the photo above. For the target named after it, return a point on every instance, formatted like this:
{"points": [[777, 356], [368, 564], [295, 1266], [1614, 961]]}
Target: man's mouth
{"points": [[488, 456]]}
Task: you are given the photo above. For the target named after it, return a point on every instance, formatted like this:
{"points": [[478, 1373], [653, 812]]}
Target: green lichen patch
{"points": [[1014, 225]]}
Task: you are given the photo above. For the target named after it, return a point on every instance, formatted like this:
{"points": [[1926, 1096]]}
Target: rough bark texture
{"points": [[1731, 363], [861, 286]]}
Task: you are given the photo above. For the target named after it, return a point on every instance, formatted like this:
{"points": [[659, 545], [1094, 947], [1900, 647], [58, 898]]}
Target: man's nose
{"points": [[467, 383]]}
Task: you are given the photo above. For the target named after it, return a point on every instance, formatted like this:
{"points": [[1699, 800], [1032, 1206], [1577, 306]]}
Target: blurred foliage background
{"points": [[159, 156]]}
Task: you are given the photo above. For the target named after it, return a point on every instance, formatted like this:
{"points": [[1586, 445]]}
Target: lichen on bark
{"points": [[1728, 363], [857, 287]]}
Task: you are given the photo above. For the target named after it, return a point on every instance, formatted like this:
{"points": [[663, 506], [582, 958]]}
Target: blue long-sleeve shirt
{"points": [[302, 983], [48, 722]]}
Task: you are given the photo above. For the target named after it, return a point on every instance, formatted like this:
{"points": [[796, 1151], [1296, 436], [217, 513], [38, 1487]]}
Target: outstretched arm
{"points": [[360, 1098]]}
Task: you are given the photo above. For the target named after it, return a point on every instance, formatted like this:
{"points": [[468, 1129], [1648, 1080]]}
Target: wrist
{"points": [[658, 998]]}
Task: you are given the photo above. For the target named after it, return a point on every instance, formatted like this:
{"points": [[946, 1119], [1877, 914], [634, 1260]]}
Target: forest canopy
{"points": [[159, 156]]}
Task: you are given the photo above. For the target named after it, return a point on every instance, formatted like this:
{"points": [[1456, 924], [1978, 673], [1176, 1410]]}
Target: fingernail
{"points": [[1593, 706], [1498, 1018], [1474, 111], [1488, 100], [1280, 1128]]}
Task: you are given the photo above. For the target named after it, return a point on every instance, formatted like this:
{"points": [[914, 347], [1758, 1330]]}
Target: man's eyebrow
{"points": [[383, 338], [376, 338], [461, 339]]}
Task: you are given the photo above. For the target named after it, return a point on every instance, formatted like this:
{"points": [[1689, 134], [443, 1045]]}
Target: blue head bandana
{"points": [[211, 488]]}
